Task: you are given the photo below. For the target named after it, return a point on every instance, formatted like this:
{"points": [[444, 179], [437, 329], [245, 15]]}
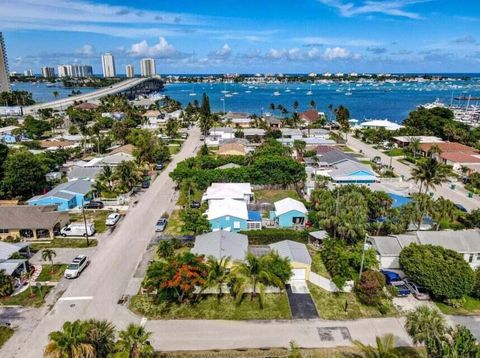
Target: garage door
{"points": [[299, 274]]}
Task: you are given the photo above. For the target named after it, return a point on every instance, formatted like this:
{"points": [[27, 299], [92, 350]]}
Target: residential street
{"points": [[458, 196], [96, 292]]}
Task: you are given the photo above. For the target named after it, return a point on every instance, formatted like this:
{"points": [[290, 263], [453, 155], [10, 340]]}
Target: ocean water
{"points": [[368, 100]]}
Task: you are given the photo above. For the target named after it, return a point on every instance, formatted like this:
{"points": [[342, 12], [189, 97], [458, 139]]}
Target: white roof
{"points": [[421, 139], [7, 129], [8, 249], [230, 207], [385, 123], [288, 204], [227, 191]]}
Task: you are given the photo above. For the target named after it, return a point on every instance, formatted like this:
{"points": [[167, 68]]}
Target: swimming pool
{"points": [[399, 200]]}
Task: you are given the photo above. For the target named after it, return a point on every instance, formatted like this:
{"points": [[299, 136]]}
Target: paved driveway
{"points": [[64, 255], [301, 303]]}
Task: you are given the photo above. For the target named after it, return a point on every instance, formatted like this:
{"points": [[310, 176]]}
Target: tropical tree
{"points": [[427, 326], [295, 105], [253, 274], [55, 94], [385, 348], [429, 173], [70, 342], [218, 274], [299, 146], [313, 104], [460, 343], [134, 341], [414, 146], [101, 334], [165, 249], [127, 174], [6, 284], [107, 177], [342, 116], [48, 254]]}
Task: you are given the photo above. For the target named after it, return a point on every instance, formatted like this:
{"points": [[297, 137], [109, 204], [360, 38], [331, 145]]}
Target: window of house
{"points": [[236, 224], [227, 217], [470, 258], [4, 231]]}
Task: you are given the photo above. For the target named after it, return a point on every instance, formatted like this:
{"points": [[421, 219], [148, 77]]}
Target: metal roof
{"points": [[288, 204], [221, 244], [295, 251]]}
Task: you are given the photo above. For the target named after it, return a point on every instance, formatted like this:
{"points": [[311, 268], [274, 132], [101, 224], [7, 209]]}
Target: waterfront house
{"points": [[31, 222], [273, 122], [404, 141], [289, 213], [465, 242], [66, 196], [236, 191], [297, 253], [446, 147], [221, 244], [238, 119], [310, 116], [381, 123]]}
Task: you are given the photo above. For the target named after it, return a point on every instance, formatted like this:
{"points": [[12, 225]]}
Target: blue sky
{"points": [[226, 36]]}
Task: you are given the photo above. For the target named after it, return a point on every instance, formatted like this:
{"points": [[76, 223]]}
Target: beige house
{"points": [[297, 253], [31, 222]]}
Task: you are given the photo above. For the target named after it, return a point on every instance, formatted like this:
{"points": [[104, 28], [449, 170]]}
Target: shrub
{"points": [[369, 288], [456, 302], [476, 288], [269, 236], [444, 272]]}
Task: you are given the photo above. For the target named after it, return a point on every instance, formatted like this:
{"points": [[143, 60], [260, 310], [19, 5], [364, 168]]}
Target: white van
{"points": [[78, 229]]}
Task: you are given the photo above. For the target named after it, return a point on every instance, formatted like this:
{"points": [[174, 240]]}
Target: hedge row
{"points": [[269, 236]]}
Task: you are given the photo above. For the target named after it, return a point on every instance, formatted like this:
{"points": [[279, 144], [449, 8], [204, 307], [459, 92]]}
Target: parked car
{"points": [[112, 219], [377, 160], [161, 225], [195, 205], [461, 208], [76, 267], [78, 229], [159, 166], [93, 205], [145, 184], [420, 292], [394, 279]]}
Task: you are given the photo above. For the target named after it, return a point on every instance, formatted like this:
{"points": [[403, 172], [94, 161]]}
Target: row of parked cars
{"points": [[405, 286]]}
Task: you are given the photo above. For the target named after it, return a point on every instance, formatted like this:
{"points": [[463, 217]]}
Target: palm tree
{"points": [[128, 175], [299, 146], [429, 173], [272, 107], [188, 185], [385, 347], [134, 342], [70, 342], [101, 334], [295, 106], [414, 146], [165, 249], [55, 94], [313, 104], [427, 326], [444, 209], [253, 274], [218, 274], [107, 176], [48, 254]]}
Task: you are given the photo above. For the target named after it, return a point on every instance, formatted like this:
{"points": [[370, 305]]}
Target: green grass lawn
{"points": [[174, 148], [317, 263], [26, 298], [332, 305], [5, 334], [63, 242], [175, 225], [366, 162], [275, 195], [395, 152], [347, 149], [471, 307], [97, 216], [276, 307], [52, 273], [195, 195]]}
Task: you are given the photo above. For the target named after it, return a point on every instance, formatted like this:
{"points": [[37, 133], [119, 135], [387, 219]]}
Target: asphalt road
{"points": [[458, 196], [96, 292]]}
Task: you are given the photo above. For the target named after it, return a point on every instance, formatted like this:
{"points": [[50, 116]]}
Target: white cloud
{"points": [[160, 50], [386, 7], [335, 41], [339, 53], [86, 50], [224, 52]]}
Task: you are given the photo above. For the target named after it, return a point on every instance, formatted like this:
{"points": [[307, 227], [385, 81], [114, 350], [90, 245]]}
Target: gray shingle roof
{"points": [[295, 251], [336, 156], [7, 249], [347, 167], [221, 244], [79, 186], [83, 173], [392, 245], [30, 217], [465, 241]]}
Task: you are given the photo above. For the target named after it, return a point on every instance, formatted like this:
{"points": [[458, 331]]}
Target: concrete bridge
{"points": [[131, 87]]}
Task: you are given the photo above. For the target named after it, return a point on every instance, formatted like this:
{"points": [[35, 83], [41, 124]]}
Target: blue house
{"points": [[352, 172], [289, 213], [66, 196], [8, 138], [232, 215]]}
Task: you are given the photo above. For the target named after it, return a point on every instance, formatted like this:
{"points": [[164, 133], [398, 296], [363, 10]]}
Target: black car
{"points": [[93, 205], [159, 166], [195, 205], [145, 184]]}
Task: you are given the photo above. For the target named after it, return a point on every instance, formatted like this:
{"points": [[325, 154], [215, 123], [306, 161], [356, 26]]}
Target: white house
{"points": [[381, 123], [235, 191], [465, 242], [217, 135]]}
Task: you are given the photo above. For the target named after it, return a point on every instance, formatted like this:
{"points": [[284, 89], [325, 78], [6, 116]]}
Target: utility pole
{"points": [[363, 256], [336, 212], [85, 223]]}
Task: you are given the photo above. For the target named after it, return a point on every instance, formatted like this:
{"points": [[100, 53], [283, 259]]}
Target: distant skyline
{"points": [[226, 36]]}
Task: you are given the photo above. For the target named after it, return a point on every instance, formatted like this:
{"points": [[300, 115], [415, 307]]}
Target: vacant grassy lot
{"points": [[96, 216], [332, 305], [5, 334], [274, 195], [283, 353], [52, 273], [471, 307], [317, 264], [175, 225], [276, 307], [174, 148], [395, 152], [63, 242], [32, 298]]}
